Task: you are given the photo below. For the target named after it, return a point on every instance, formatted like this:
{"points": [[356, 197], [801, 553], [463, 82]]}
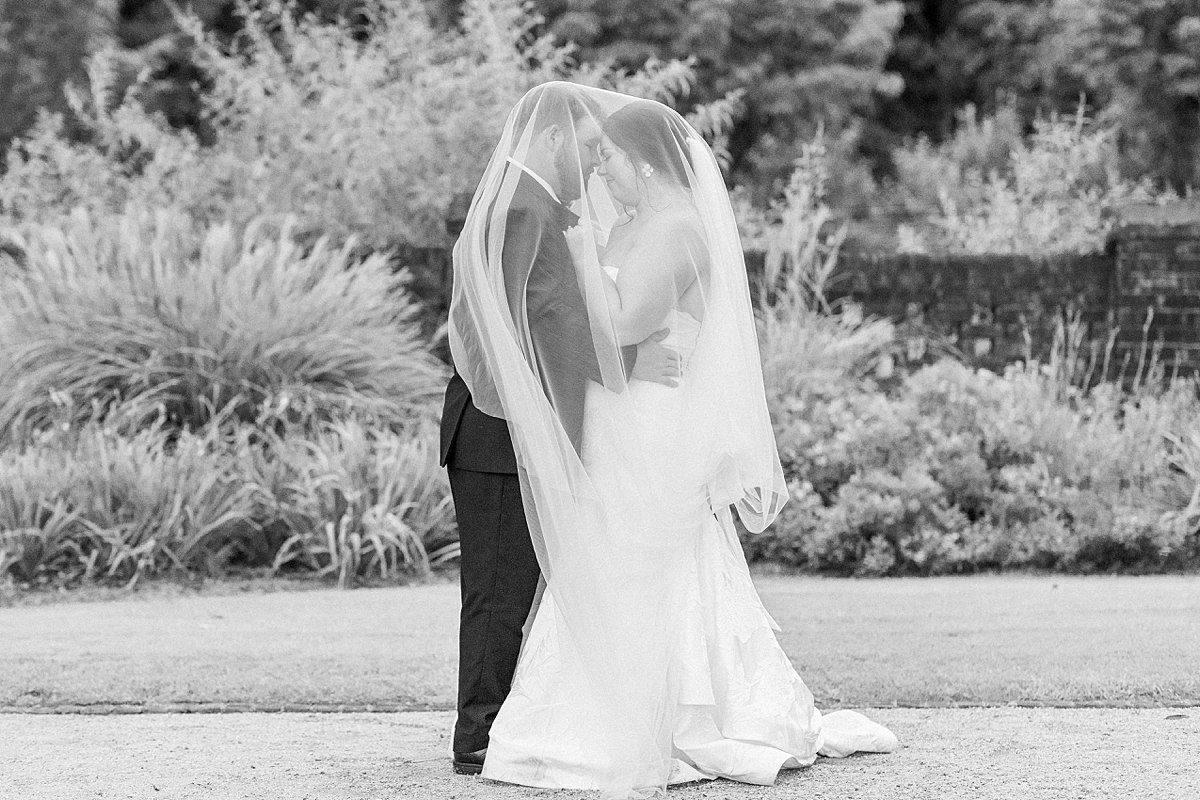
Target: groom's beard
{"points": [[568, 176]]}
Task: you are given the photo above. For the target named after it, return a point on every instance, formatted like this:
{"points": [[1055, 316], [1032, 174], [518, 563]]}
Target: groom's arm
{"points": [[545, 296], [522, 239]]}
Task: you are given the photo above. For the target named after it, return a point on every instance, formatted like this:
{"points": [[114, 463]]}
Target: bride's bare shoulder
{"points": [[672, 234], [679, 222], [681, 215]]}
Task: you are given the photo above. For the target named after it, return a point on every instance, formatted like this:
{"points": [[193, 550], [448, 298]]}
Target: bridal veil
{"points": [[533, 323]]}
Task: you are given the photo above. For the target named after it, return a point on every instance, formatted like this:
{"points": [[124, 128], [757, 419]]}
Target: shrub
{"points": [[366, 129], [1055, 194], [149, 312], [949, 469], [97, 504], [959, 470], [356, 501], [927, 174], [351, 133]]}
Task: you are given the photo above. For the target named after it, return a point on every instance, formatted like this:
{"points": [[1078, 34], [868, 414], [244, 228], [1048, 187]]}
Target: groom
{"points": [[499, 571]]}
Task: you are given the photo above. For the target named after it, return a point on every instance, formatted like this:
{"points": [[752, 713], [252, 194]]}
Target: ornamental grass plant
{"points": [[100, 505], [96, 504], [150, 311], [356, 500], [803, 338], [187, 399]]}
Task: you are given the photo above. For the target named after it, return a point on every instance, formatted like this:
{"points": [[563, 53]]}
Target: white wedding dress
{"points": [[740, 709]]}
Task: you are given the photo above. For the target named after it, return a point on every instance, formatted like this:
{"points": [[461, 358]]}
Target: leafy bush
{"points": [[366, 129], [960, 470], [928, 175], [947, 469], [355, 501], [1054, 193], [98, 504], [94, 505], [358, 134]]}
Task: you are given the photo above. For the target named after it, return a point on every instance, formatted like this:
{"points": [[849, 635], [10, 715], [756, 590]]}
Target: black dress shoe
{"points": [[469, 763]]}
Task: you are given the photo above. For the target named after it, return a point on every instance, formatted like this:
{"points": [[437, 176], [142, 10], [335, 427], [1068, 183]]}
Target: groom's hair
{"points": [[555, 103]]}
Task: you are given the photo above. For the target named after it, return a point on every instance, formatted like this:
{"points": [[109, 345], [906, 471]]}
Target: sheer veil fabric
{"points": [[575, 250], [525, 341]]}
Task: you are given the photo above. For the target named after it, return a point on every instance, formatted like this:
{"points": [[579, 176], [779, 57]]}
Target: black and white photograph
{"points": [[599, 399]]}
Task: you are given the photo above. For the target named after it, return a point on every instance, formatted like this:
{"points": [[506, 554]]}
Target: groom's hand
{"points": [[656, 363]]}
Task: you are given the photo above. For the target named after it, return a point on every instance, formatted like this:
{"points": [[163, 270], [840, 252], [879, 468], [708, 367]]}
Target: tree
{"points": [[802, 64], [1140, 62], [1055, 193], [43, 46], [163, 63], [984, 53], [360, 129], [807, 66]]}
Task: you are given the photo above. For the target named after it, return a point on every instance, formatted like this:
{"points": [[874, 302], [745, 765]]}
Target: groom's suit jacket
{"points": [[538, 271]]}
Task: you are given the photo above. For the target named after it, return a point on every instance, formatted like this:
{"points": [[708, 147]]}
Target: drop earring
{"points": [[647, 170]]}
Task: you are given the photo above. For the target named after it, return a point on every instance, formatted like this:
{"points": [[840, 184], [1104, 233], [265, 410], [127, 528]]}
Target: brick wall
{"points": [[992, 309], [1157, 292], [996, 309], [1144, 289]]}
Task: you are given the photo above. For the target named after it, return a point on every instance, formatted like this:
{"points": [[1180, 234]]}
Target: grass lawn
{"points": [[983, 640]]}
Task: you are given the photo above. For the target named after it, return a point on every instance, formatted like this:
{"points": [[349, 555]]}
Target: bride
{"points": [[651, 660]]}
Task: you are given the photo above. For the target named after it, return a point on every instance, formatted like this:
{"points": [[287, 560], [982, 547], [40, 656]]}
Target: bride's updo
{"points": [[650, 134]]}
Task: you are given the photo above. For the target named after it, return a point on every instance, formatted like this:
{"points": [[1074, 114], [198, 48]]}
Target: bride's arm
{"points": [[651, 281]]}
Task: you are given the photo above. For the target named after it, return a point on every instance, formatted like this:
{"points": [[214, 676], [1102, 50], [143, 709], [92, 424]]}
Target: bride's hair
{"points": [[555, 103], [650, 134]]}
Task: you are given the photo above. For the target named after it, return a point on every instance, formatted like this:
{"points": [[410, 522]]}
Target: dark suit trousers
{"points": [[499, 578]]}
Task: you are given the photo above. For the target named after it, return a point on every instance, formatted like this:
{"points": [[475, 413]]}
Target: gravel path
{"points": [[980, 753]]}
